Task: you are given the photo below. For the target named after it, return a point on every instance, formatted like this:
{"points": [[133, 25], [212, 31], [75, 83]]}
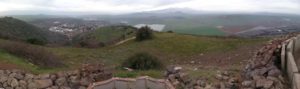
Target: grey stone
{"points": [[264, 83], [274, 72], [44, 76], [82, 87], [32, 85], [3, 79], [44, 83], [85, 82], [14, 83], [53, 87], [28, 76], [60, 81], [19, 88], [23, 84], [247, 84], [64, 87], [19, 76]]}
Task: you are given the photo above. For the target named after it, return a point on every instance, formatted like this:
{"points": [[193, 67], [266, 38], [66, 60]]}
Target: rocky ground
{"points": [[261, 72]]}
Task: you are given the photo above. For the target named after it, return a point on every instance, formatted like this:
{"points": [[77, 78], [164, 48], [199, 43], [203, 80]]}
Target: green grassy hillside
{"points": [[11, 28], [105, 35], [165, 45], [170, 48]]}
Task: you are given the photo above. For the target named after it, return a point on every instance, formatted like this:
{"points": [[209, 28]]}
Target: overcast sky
{"points": [[127, 6]]}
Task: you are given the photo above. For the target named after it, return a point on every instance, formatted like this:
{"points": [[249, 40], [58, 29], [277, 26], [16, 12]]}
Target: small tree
{"points": [[144, 33]]}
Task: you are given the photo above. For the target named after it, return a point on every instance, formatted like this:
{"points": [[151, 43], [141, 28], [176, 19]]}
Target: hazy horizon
{"points": [[131, 6]]}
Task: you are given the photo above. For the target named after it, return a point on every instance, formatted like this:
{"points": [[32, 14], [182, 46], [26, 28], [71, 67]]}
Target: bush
{"points": [[170, 31], [35, 41], [142, 61], [34, 54], [144, 33]]}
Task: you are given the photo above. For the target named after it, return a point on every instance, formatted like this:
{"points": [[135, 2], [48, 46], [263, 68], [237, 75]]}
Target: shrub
{"points": [[34, 54], [144, 33], [35, 41], [142, 61], [170, 31]]}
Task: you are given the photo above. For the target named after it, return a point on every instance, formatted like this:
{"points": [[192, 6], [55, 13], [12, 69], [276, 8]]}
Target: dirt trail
{"points": [[123, 41], [8, 66]]}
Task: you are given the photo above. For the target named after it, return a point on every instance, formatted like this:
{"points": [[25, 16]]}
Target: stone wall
{"points": [[290, 65], [77, 79], [263, 71], [144, 82], [272, 63]]}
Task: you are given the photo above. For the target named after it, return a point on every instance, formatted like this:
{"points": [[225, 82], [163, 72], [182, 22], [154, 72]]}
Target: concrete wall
{"points": [[288, 63], [129, 83]]}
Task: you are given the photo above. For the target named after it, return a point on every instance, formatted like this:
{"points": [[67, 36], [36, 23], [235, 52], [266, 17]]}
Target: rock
{"points": [[44, 76], [2, 72], [61, 81], [28, 76], [61, 74], [32, 85], [247, 84], [9, 88], [53, 87], [53, 77], [274, 72], [14, 83], [268, 84], [19, 88], [85, 82], [22, 84], [82, 87], [64, 87], [225, 78], [226, 73], [264, 83], [128, 69], [219, 77], [19, 76], [192, 62], [12, 75], [74, 79], [44, 83], [3, 79], [177, 68]]}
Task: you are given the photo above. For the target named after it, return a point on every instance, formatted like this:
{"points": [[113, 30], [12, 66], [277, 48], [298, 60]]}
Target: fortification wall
{"points": [[289, 65], [144, 82]]}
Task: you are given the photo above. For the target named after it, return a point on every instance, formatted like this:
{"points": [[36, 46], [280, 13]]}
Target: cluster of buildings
{"points": [[71, 29]]}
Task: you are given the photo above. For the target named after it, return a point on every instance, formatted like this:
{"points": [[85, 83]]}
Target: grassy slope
{"points": [[168, 47], [7, 58], [16, 29], [105, 34]]}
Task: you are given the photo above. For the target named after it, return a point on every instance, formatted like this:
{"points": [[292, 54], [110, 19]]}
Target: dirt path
{"points": [[4, 66], [123, 41]]}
